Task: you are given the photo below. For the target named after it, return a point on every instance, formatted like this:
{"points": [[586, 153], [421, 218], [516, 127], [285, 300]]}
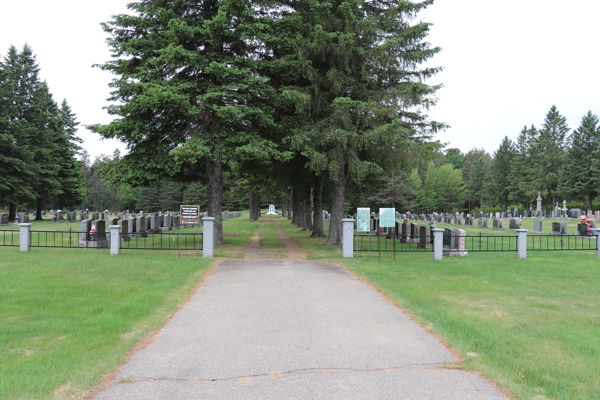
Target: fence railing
{"points": [[561, 242], [10, 238], [161, 241]]}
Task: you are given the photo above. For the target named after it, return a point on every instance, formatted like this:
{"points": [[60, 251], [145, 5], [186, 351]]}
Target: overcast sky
{"points": [[505, 63]]}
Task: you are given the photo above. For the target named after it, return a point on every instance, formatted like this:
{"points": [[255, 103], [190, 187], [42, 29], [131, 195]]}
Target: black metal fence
{"points": [[561, 242], [10, 238], [162, 241]]}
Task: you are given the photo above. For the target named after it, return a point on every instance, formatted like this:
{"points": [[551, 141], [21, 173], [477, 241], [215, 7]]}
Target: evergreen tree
{"points": [[189, 95], [476, 173], [579, 175], [551, 146], [17, 168], [501, 171], [353, 78]]}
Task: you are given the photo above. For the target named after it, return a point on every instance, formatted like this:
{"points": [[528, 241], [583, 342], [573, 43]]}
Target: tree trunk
{"points": [[318, 230], [214, 174], [589, 201], [301, 220], [38, 213], [295, 206], [308, 225], [290, 206], [251, 207], [256, 203], [337, 208], [12, 212]]}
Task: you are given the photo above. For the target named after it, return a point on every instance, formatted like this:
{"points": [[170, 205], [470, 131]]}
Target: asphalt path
{"points": [[292, 330]]}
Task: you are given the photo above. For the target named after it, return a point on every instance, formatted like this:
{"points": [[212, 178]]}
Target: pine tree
{"points": [[189, 95], [17, 167], [551, 147], [579, 175], [501, 171], [353, 78]]}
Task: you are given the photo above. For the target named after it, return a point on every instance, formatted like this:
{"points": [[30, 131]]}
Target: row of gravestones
{"points": [[454, 239]]}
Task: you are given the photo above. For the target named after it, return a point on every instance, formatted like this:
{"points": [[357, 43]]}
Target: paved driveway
{"points": [[292, 330]]}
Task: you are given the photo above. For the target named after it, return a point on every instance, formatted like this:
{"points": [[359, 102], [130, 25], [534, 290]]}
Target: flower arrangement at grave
{"points": [[93, 233], [54, 217], [17, 220]]}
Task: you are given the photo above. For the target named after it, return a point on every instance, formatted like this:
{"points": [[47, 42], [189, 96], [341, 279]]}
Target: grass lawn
{"points": [[529, 325], [269, 235], [68, 316]]}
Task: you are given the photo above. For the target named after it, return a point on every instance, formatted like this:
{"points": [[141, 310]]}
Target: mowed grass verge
{"points": [[531, 326], [68, 316]]}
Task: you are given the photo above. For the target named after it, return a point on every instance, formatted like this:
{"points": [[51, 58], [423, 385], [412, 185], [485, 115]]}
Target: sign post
{"points": [[363, 220], [190, 216], [387, 219]]}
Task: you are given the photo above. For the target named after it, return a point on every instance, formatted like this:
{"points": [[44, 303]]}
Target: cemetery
{"points": [[360, 224]]}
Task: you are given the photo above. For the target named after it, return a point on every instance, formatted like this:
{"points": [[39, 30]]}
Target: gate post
{"points": [[208, 241], [115, 239], [25, 238], [347, 238], [597, 244], [438, 243], [522, 243]]}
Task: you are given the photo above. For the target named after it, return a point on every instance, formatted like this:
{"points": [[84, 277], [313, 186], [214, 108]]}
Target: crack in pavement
{"points": [[277, 374]]}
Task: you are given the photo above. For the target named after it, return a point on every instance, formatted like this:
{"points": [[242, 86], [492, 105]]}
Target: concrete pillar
{"points": [[25, 230], [347, 238], [521, 243], [438, 244], [598, 244], [208, 239], [115, 239]]}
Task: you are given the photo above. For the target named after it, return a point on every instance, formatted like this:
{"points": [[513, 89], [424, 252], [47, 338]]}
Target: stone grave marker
{"points": [[140, 226], [538, 226], [124, 224], [582, 229], [425, 237]]}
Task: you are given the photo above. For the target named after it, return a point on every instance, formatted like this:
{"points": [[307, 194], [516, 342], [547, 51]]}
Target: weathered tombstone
{"points": [[140, 226], [447, 238], [131, 227], [106, 216], [85, 227], [425, 237], [124, 224], [405, 233], [113, 221], [582, 229], [537, 226], [512, 224], [148, 225], [501, 223], [597, 215], [495, 224], [167, 222], [4, 219], [559, 228], [176, 221], [413, 233]]}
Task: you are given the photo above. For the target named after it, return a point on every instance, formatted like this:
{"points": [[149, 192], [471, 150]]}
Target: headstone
{"points": [[413, 233], [113, 221], [85, 227], [559, 228], [495, 226], [538, 226], [447, 238], [405, 233], [148, 224], [271, 210], [597, 215], [425, 237], [497, 215], [140, 226], [512, 224], [458, 244], [124, 224], [131, 226], [582, 229], [4, 219]]}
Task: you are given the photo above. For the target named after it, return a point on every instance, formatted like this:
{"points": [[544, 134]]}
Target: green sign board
{"points": [[363, 216], [387, 217]]}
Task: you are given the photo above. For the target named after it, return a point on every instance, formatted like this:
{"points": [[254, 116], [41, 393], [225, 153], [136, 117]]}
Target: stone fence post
{"points": [[115, 239], [521, 243], [25, 239], [438, 244], [208, 242], [348, 238], [598, 244]]}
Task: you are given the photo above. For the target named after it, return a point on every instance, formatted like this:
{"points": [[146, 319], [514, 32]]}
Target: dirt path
{"points": [[292, 252]]}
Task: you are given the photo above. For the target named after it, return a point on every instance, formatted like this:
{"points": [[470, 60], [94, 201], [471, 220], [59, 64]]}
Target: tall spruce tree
{"points": [[551, 146], [189, 97], [501, 170], [17, 167], [579, 175], [354, 77]]}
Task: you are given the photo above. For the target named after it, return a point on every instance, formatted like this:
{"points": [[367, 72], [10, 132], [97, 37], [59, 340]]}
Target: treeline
{"points": [[38, 142], [553, 159]]}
